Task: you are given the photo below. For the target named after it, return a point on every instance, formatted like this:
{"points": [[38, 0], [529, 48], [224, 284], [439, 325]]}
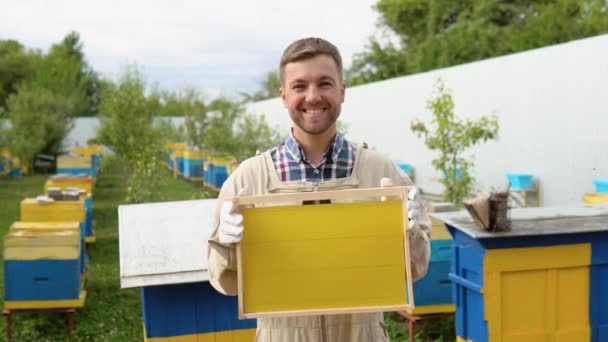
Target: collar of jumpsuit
{"points": [[291, 163]]}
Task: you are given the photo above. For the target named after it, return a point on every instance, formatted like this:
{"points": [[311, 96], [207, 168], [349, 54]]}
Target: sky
{"points": [[221, 47]]}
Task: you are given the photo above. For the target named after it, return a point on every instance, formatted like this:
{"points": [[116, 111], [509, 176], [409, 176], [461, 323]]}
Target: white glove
{"points": [[231, 222], [413, 208]]}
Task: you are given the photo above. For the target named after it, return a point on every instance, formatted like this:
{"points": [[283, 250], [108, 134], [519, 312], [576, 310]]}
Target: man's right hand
{"points": [[231, 222]]}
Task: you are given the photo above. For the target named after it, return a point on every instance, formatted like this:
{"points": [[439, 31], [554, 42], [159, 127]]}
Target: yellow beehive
{"points": [[42, 244], [32, 210], [68, 162]]}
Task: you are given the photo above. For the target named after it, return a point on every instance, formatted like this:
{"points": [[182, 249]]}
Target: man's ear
{"points": [[343, 90], [282, 93]]}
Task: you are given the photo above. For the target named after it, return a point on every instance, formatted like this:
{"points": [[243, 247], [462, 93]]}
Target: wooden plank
{"points": [[350, 194], [333, 258]]}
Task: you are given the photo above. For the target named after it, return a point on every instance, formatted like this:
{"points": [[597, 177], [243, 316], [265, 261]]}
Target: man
{"points": [[314, 157]]}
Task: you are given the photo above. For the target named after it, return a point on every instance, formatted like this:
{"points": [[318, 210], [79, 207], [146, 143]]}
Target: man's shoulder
{"points": [[373, 156], [251, 164]]}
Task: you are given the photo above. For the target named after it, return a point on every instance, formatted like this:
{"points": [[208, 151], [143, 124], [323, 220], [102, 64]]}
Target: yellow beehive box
{"points": [[87, 150], [42, 244], [46, 226], [175, 146], [324, 259], [191, 154], [595, 198], [32, 210], [86, 183], [67, 162]]}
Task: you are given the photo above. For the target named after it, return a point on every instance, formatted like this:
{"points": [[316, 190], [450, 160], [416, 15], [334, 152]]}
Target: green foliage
{"points": [[127, 127], [231, 132], [452, 136], [253, 134], [42, 95], [39, 119], [432, 34], [15, 66], [190, 104], [268, 89], [435, 330]]}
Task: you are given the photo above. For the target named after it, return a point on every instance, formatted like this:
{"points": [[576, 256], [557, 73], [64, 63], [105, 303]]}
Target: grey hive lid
{"points": [[164, 243]]}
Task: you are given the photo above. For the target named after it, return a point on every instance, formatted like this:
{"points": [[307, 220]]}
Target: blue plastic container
{"points": [[520, 181], [406, 167], [457, 172], [601, 186]]}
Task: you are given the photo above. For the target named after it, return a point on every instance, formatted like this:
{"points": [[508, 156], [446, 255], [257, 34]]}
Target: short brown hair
{"points": [[306, 48]]}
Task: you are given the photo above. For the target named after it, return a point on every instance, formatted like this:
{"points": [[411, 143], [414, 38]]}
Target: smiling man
{"points": [[314, 157]]}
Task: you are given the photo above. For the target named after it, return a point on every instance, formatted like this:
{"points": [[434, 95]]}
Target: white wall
{"points": [[86, 128], [552, 105]]}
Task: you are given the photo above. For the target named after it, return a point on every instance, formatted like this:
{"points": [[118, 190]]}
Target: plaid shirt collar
{"points": [[294, 148], [291, 164]]}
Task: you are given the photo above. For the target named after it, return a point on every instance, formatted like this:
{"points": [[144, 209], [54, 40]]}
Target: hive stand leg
{"points": [[7, 318], [70, 313]]}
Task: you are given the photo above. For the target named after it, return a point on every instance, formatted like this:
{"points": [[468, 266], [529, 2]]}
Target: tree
{"points": [[190, 104], [432, 34], [452, 136], [226, 130], [127, 127], [39, 122], [253, 134], [15, 66], [82, 81], [268, 89]]}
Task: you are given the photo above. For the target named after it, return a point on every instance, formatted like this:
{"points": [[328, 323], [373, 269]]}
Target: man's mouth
{"points": [[314, 112]]}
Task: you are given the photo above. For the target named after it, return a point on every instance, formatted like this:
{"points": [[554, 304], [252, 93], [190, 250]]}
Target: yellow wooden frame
{"points": [[358, 265]]}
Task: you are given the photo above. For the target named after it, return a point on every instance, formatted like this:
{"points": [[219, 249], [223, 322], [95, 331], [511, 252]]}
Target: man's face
{"points": [[313, 93]]}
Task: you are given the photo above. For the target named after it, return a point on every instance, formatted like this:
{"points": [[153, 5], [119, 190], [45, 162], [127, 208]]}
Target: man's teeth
{"points": [[314, 111]]}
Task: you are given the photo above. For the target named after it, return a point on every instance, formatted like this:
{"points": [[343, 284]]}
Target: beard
{"points": [[316, 126]]}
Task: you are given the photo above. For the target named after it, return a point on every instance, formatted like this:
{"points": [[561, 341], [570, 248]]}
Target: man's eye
{"points": [[298, 87], [326, 84]]}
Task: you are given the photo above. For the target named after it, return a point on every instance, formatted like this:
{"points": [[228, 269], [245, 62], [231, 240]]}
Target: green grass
{"points": [[112, 314]]}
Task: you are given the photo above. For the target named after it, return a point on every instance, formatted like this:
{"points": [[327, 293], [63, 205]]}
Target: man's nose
{"points": [[312, 94]]}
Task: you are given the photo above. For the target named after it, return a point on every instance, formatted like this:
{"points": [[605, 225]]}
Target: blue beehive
{"points": [[520, 181], [41, 265], [193, 165], [195, 311], [433, 292], [88, 203], [179, 163], [221, 174], [544, 280], [434, 289]]}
